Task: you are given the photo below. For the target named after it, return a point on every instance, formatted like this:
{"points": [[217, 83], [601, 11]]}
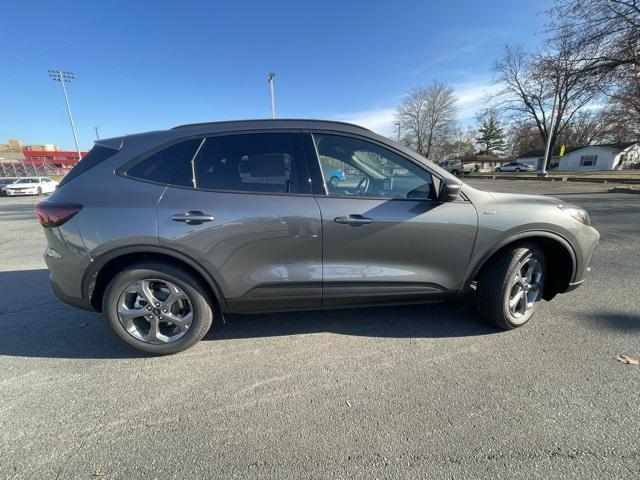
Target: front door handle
{"points": [[192, 217], [354, 220]]}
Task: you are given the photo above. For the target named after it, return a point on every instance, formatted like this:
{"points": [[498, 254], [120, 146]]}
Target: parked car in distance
{"points": [[335, 176], [515, 167], [31, 186], [4, 182], [456, 167], [161, 231]]}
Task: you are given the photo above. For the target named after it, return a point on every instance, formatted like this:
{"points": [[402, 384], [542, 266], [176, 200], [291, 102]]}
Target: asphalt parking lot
{"points": [[422, 391]]}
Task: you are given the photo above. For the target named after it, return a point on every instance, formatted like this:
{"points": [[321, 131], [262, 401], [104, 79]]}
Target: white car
{"points": [[515, 167], [30, 186]]}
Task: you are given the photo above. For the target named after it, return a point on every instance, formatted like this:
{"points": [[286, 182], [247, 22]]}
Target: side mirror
{"points": [[449, 190]]}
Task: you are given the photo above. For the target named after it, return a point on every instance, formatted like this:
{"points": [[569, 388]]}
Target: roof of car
{"points": [[273, 123]]}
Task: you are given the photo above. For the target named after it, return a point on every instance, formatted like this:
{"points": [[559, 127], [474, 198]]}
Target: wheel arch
{"points": [[560, 256], [107, 265]]}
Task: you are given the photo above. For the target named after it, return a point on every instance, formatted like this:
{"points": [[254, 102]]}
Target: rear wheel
{"points": [[498, 169], [518, 170], [455, 172], [157, 308], [511, 285], [39, 190]]}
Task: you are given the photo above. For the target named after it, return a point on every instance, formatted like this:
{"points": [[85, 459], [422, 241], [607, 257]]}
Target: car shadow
{"points": [[36, 324], [612, 320]]}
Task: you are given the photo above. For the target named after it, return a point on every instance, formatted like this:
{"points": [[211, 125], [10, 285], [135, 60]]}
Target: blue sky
{"points": [[153, 65]]}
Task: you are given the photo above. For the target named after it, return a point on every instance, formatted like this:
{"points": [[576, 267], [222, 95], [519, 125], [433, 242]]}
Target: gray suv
{"points": [[162, 231]]}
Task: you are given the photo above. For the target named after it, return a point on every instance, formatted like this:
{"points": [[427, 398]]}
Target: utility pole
{"points": [[547, 150], [97, 136], [68, 77], [273, 98]]}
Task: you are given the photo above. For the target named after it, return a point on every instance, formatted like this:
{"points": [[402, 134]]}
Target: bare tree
{"points": [[460, 142], [427, 117], [589, 127], [522, 136], [608, 34], [537, 85], [608, 29]]}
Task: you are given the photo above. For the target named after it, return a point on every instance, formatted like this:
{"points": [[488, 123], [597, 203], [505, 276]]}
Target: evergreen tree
{"points": [[490, 134]]}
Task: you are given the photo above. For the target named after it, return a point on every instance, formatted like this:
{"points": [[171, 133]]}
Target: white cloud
{"points": [[471, 95], [381, 120]]}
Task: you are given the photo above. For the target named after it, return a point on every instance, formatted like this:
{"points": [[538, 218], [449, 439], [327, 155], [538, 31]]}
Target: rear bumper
{"points": [[78, 302]]}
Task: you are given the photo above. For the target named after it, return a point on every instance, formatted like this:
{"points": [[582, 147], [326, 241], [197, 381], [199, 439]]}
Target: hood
{"points": [[525, 199]]}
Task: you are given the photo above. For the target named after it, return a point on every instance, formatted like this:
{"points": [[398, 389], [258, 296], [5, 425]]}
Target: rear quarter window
{"points": [[162, 165], [97, 155]]}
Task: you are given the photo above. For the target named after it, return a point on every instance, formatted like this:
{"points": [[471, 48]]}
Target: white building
{"points": [[612, 156]]}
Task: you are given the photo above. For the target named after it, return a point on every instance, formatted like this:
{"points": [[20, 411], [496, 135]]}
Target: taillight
{"points": [[53, 214]]}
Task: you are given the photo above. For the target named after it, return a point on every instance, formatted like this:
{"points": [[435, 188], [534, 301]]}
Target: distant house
{"points": [[610, 156]]}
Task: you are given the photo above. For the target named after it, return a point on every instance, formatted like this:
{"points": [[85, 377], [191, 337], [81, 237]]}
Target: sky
{"points": [[143, 66]]}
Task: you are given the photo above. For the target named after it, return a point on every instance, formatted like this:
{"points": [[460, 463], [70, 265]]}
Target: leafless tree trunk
{"points": [[427, 117]]}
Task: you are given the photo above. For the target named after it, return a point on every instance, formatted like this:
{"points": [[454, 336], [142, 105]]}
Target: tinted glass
{"points": [[370, 170], [260, 162], [161, 166], [97, 155]]}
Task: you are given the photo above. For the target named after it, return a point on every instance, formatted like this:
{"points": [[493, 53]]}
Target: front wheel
{"points": [[498, 169], [39, 191], [518, 170], [455, 172], [157, 307], [511, 285]]}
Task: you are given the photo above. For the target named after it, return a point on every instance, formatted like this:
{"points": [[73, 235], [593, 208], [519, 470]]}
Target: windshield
{"points": [[27, 180]]}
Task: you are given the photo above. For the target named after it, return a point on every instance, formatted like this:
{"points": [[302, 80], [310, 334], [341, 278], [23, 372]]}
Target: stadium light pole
{"points": [[273, 98], [66, 77]]}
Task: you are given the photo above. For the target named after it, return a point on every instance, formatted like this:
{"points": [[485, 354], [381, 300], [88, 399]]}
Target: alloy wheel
{"points": [[155, 311], [525, 288]]}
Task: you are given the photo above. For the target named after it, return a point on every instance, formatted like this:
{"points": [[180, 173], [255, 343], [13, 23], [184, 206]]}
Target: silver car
{"points": [[163, 231], [515, 167]]}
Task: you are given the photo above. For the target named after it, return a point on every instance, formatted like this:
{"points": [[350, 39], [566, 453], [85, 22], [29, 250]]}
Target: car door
{"points": [[386, 237], [242, 208]]}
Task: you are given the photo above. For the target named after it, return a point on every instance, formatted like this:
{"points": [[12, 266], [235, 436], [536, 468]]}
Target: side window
{"points": [[161, 166], [368, 170], [257, 162]]}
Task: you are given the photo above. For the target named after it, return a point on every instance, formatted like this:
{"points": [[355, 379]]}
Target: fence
{"points": [[29, 169]]}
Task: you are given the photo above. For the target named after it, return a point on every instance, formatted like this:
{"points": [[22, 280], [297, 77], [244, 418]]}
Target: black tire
{"points": [[197, 293], [496, 283], [333, 181], [498, 169], [518, 170], [39, 190], [455, 172]]}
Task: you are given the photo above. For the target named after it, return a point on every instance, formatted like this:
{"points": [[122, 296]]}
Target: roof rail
{"points": [[267, 120]]}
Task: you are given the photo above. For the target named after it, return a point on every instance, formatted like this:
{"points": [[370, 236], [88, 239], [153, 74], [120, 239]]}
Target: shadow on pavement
{"points": [[612, 320], [36, 324]]}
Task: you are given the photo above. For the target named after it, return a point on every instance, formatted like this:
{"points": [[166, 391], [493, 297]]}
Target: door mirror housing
{"points": [[449, 190]]}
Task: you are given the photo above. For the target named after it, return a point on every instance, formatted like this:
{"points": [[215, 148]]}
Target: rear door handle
{"points": [[354, 220], [192, 217]]}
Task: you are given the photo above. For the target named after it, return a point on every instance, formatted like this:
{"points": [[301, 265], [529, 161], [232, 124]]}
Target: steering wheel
{"points": [[363, 186]]}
